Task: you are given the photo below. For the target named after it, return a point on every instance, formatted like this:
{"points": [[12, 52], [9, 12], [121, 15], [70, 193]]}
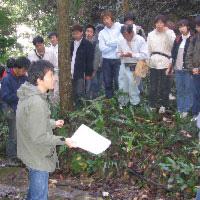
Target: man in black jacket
{"points": [[81, 63]]}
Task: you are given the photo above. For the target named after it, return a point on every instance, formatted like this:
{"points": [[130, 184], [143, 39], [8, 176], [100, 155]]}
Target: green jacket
{"points": [[193, 53], [36, 144]]}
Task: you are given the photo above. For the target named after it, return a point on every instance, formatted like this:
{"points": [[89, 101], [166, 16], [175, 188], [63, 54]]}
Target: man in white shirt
{"points": [[108, 40], [42, 52], [131, 49]]}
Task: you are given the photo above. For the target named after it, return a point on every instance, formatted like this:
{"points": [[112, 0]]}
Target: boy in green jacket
{"points": [[36, 144]]}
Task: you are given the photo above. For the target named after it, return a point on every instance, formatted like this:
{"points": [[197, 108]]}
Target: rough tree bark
{"points": [[65, 87], [126, 6]]}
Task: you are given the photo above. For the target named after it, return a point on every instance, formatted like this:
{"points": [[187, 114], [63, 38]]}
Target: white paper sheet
{"points": [[90, 140]]}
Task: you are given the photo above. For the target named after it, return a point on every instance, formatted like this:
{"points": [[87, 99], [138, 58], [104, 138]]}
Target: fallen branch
{"points": [[161, 186]]}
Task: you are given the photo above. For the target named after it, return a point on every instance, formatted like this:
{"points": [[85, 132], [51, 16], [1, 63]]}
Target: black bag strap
{"points": [[162, 54]]}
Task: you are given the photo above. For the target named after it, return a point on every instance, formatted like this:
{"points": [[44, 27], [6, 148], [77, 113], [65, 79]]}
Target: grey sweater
{"points": [[36, 144]]}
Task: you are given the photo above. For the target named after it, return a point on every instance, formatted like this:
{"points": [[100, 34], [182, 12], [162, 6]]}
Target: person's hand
{"points": [[122, 54], [93, 75], [59, 123], [167, 72], [87, 77], [195, 71], [128, 54], [70, 143]]}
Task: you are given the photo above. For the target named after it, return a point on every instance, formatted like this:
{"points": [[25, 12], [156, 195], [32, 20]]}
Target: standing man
{"points": [[97, 81], [81, 63], [36, 144], [130, 19], [108, 40], [89, 35], [160, 42], [132, 48], [53, 37], [42, 52], [192, 61], [14, 78]]}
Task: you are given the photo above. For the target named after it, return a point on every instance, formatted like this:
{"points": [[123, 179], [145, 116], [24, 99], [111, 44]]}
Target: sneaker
{"points": [[120, 107], [152, 109], [172, 97], [194, 118], [14, 162], [162, 109], [184, 114]]}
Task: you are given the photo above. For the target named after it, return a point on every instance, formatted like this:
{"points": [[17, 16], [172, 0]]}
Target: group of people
{"points": [[105, 55]]}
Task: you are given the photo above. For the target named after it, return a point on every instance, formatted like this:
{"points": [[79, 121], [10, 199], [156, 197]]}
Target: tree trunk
{"points": [[126, 6], [65, 87]]}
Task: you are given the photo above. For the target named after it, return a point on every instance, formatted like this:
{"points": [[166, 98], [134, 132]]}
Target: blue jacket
{"points": [[9, 86]]}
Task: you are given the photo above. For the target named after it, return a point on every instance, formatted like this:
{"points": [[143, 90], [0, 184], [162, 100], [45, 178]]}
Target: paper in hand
{"points": [[90, 140]]}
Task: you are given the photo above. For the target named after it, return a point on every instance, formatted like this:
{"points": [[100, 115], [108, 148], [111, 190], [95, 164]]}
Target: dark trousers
{"points": [[11, 143], [96, 83], [78, 92], [111, 73], [196, 94], [158, 79]]}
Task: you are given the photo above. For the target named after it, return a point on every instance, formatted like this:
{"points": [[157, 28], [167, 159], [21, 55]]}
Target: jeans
{"points": [[127, 85], [96, 83], [111, 73], [198, 195], [78, 92], [38, 187], [11, 143], [158, 79], [184, 90], [196, 94]]}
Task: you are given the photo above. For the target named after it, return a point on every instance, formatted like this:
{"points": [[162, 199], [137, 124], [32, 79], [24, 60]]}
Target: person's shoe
{"points": [[172, 97], [162, 109], [194, 118], [152, 109], [184, 114], [120, 107], [14, 162]]}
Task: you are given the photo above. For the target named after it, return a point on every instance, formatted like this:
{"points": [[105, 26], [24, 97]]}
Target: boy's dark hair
{"points": [[52, 34], [107, 13], [90, 26], [37, 39], [22, 62], [126, 28], [162, 18], [77, 27], [99, 27], [197, 20], [129, 16], [10, 62], [183, 22], [38, 69]]}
